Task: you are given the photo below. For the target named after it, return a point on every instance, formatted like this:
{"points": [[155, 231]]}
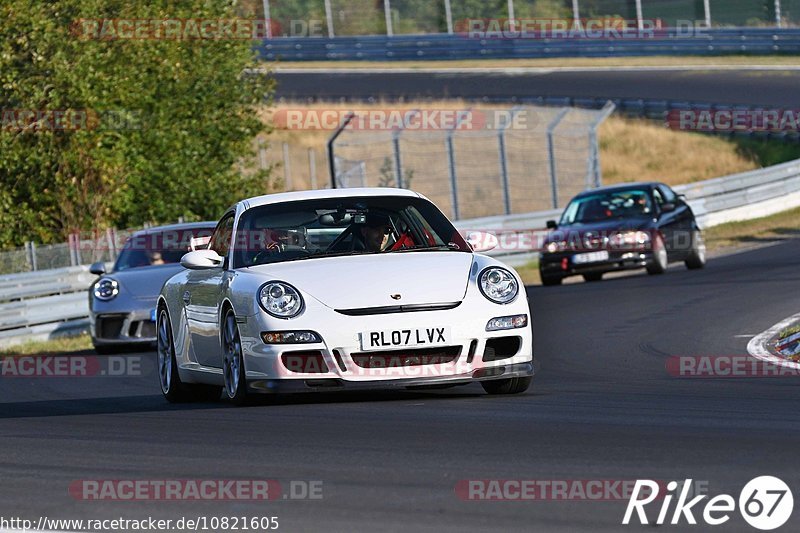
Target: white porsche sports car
{"points": [[341, 289]]}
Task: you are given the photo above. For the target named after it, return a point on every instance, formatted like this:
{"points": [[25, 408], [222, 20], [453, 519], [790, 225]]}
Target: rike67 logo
{"points": [[765, 503]]}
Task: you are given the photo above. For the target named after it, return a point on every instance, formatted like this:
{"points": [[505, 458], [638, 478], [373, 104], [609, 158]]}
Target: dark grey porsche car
{"points": [[635, 225], [122, 302]]}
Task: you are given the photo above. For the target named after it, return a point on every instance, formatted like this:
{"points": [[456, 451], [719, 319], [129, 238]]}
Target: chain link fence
{"points": [[79, 250], [505, 162], [329, 18]]}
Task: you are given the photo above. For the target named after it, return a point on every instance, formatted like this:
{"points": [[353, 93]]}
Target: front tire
{"points": [[697, 257], [171, 386], [507, 386], [659, 263], [173, 389], [233, 361]]}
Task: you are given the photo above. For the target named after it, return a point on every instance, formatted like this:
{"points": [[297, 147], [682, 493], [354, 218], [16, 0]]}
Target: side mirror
{"points": [[666, 208], [552, 224], [481, 241], [98, 268], [199, 243], [201, 260]]}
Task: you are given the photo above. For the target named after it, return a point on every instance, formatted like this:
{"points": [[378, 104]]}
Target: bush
{"points": [[184, 113]]}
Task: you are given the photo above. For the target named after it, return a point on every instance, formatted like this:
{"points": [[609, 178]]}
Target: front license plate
{"points": [[591, 257], [392, 339]]}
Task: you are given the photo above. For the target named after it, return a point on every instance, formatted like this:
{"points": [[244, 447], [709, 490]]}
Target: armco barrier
{"points": [[447, 47], [36, 305], [39, 304]]}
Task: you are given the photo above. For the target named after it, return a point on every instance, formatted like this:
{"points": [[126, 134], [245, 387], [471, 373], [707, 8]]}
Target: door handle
{"points": [[187, 297]]}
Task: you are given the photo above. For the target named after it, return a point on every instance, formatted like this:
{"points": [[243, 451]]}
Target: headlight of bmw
{"points": [[630, 238], [106, 289], [280, 299], [498, 285]]}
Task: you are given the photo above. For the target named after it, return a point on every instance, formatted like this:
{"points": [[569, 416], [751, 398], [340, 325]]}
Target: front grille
{"points": [[403, 358], [109, 326], [501, 348], [390, 309]]}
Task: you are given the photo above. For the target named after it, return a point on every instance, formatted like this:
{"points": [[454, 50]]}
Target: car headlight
{"points": [[106, 289], [555, 246], [280, 299], [629, 238], [498, 285]]}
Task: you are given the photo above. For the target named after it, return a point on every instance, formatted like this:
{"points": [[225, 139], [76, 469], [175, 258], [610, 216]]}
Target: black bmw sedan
{"points": [[621, 227]]}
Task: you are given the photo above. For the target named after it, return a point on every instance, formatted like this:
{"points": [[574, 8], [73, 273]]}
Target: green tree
{"points": [[170, 122]]}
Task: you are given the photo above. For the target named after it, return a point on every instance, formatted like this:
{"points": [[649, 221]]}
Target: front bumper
{"points": [[336, 384], [562, 264], [118, 326], [472, 354]]}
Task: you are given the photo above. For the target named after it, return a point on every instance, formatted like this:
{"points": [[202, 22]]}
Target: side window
{"points": [[669, 196], [221, 239], [658, 197]]}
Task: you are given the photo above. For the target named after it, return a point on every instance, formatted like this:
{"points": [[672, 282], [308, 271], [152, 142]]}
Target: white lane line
{"points": [[757, 347]]}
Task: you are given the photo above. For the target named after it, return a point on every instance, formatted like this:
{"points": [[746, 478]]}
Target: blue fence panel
{"points": [[756, 41]]}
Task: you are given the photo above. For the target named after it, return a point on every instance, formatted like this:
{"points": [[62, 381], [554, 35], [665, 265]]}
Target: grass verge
{"points": [[789, 332], [774, 228], [60, 345]]}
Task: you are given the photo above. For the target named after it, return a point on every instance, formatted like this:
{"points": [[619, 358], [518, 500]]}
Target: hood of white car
{"points": [[357, 282]]}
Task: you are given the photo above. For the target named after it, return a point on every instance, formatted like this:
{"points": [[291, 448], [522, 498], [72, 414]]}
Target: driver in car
{"points": [[375, 232]]}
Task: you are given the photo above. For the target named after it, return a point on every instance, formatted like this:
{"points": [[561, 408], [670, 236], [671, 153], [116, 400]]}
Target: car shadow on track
{"points": [[156, 403]]}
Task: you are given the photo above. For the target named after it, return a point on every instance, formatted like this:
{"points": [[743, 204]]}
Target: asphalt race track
{"points": [[771, 88], [602, 407]]}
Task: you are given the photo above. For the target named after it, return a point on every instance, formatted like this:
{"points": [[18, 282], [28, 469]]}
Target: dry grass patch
{"points": [[638, 150], [778, 227], [60, 345]]}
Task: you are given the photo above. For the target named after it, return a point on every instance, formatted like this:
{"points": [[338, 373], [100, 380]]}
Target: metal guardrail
{"points": [[38, 304], [446, 47], [745, 196], [737, 197], [41, 303]]}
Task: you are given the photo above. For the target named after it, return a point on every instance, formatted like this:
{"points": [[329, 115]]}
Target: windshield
{"points": [[336, 227], [609, 205], [155, 248]]}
